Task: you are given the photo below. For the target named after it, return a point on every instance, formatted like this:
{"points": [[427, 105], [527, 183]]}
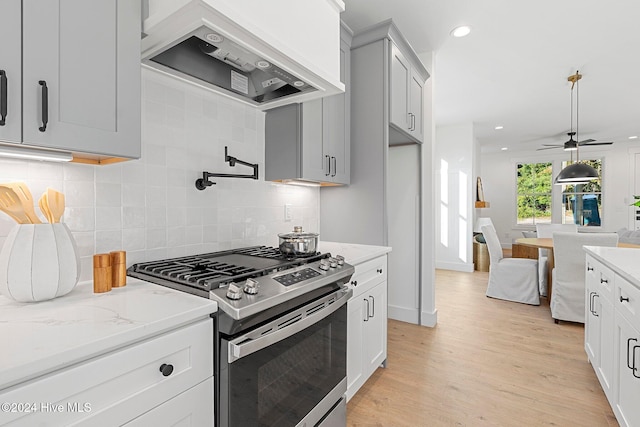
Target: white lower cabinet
{"points": [[367, 322], [119, 386], [612, 338], [599, 342], [193, 408]]}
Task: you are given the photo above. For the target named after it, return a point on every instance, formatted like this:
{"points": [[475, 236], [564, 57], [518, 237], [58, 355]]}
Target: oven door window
{"points": [[280, 384]]}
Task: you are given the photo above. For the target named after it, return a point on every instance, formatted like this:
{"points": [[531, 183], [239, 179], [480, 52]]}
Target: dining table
{"points": [[547, 243]]}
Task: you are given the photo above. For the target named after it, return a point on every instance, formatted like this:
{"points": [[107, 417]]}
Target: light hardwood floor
{"points": [[487, 363]]}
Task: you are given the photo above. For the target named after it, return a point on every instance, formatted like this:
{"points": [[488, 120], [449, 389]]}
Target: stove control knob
{"points": [[340, 259], [333, 263], [251, 287], [234, 291], [324, 264]]}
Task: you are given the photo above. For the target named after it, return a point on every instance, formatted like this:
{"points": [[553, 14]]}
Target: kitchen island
{"points": [[116, 355], [612, 326]]}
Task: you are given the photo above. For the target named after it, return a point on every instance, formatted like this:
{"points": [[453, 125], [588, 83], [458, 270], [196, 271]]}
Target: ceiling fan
{"points": [[572, 144]]}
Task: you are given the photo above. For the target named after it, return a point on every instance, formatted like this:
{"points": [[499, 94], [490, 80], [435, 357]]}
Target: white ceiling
{"points": [[512, 69]]}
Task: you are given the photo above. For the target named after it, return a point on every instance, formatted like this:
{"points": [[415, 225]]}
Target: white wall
{"points": [[499, 181], [150, 207], [454, 148]]}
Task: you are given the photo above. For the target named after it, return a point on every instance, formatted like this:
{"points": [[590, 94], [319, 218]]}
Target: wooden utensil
{"points": [[55, 200], [26, 199], [44, 207], [10, 204]]}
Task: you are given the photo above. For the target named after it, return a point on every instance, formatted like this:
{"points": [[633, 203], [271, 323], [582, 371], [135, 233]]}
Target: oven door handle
{"points": [[246, 344]]}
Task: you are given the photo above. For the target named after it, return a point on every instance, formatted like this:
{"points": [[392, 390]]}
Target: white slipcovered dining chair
{"points": [[511, 279], [568, 289], [547, 230]]}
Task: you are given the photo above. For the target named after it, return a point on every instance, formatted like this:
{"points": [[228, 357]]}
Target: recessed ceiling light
{"points": [[214, 38], [461, 31], [633, 137], [499, 127], [504, 148]]}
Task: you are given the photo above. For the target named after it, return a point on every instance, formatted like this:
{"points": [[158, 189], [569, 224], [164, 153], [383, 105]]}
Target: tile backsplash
{"points": [[150, 207]]}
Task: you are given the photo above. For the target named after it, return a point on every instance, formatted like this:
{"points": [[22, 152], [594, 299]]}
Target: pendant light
{"points": [[576, 172]]}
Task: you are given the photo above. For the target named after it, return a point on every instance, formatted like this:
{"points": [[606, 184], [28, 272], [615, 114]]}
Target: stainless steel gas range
{"points": [[281, 329]]}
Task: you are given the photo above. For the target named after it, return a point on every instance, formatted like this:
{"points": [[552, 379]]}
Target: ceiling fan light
{"points": [[576, 173]]}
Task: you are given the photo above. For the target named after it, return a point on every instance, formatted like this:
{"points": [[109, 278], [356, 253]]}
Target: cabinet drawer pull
{"points": [[379, 271], [354, 282], [45, 106], [166, 369], [3, 100], [328, 165], [623, 299], [604, 280], [589, 268]]}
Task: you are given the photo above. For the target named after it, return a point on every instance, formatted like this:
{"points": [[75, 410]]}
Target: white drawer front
{"points": [[118, 386], [627, 301], [368, 274]]}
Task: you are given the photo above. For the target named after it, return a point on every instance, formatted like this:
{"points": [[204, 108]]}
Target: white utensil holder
{"points": [[38, 262]]}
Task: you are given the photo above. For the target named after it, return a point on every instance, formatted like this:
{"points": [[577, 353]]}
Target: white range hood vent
{"points": [[198, 42]]}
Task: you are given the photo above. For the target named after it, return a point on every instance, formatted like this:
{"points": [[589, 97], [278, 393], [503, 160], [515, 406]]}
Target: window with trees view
{"points": [[581, 203], [534, 184]]}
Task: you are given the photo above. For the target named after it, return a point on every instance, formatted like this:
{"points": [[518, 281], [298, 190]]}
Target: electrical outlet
{"points": [[288, 216]]}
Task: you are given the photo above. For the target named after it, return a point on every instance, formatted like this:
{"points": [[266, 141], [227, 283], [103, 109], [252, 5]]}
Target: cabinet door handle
{"points": [[633, 355], [3, 100], [591, 298], [366, 318], [166, 369], [594, 303], [45, 106], [326, 156], [634, 362], [624, 299], [334, 166], [373, 305], [413, 122]]}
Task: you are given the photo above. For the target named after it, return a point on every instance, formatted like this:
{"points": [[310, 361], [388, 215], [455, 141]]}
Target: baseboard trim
{"points": [[429, 319], [456, 266], [409, 315]]}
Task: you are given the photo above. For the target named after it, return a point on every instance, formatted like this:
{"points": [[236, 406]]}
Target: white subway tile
{"points": [[108, 218]]}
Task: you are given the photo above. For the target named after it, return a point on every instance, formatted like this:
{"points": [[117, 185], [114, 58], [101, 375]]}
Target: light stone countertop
{"points": [[42, 337], [624, 261], [353, 253]]}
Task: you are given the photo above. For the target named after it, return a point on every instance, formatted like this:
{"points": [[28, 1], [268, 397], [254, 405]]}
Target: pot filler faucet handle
{"points": [[234, 291], [251, 287]]}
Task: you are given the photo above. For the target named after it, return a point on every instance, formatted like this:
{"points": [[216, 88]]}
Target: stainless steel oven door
{"points": [[290, 371]]}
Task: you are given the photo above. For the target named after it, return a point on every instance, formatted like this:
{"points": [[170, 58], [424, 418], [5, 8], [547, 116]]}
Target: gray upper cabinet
{"points": [[80, 68], [406, 96], [311, 141]]}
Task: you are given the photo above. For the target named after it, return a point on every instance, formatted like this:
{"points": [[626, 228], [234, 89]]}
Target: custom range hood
{"points": [[217, 44]]}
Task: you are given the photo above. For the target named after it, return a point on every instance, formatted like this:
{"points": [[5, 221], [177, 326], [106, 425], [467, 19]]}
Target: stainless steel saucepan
{"points": [[298, 243]]}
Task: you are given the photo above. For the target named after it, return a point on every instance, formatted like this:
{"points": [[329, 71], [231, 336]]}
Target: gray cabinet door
{"points": [[88, 55], [10, 68], [337, 113], [399, 89], [315, 165], [416, 109]]}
